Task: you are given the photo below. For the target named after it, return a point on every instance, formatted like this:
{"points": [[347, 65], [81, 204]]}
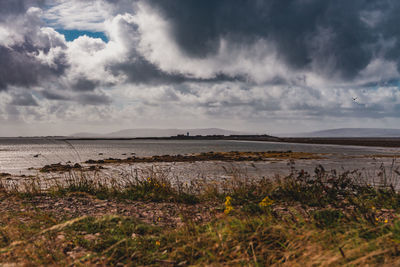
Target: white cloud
{"points": [[257, 60], [86, 15], [84, 85]]}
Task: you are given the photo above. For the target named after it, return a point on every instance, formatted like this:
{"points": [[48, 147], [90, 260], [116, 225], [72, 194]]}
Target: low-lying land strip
{"points": [[351, 141]]}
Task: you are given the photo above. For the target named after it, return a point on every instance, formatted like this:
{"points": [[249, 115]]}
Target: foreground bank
{"points": [[321, 219]]}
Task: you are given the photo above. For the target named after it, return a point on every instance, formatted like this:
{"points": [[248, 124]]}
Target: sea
{"points": [[20, 155]]}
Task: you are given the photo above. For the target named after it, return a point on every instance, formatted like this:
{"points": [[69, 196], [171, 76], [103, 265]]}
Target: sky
{"points": [[262, 66]]}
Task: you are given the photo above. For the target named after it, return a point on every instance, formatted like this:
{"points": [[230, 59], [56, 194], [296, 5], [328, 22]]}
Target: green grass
{"points": [[238, 239]]}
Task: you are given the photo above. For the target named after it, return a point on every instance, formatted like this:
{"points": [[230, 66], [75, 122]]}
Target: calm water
{"points": [[18, 154]]}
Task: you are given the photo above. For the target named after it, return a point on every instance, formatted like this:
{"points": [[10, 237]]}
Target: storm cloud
{"points": [[242, 64], [28, 51], [342, 33]]}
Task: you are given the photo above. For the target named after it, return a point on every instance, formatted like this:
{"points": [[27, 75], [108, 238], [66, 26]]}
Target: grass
{"points": [[321, 219]]}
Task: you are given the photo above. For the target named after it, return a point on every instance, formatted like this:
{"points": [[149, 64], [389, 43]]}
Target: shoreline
{"points": [[369, 142], [208, 165], [343, 141]]}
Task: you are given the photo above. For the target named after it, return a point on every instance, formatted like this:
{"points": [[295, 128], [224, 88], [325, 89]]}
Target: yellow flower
{"points": [[228, 200], [266, 202], [386, 220], [228, 205], [373, 208], [228, 209], [376, 219], [158, 243]]}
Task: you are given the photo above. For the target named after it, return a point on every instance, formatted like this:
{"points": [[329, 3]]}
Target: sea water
{"points": [[17, 155]]}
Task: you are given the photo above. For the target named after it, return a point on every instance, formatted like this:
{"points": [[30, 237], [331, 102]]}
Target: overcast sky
{"points": [[267, 66]]}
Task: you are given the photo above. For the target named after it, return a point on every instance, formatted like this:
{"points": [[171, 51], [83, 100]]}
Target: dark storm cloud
{"points": [[84, 84], [18, 67], [293, 26], [13, 7], [389, 27], [308, 34], [141, 71], [24, 41], [84, 98], [122, 6], [23, 99], [54, 96], [93, 99]]}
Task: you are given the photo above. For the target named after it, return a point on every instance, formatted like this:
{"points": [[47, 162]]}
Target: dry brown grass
{"points": [[320, 219]]}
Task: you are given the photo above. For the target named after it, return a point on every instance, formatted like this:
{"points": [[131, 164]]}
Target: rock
{"points": [[90, 237], [77, 166]]}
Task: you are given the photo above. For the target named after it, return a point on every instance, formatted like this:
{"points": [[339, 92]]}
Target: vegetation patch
{"points": [[214, 156], [320, 219]]}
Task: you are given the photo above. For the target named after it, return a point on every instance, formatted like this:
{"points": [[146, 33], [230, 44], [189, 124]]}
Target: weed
{"points": [[327, 218], [335, 217]]}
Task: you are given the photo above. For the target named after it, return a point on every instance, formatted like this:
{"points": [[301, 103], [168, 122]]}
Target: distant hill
{"points": [[131, 133], [349, 132], [85, 135]]}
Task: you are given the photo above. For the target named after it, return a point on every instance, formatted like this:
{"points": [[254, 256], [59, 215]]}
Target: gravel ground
{"points": [[78, 205]]}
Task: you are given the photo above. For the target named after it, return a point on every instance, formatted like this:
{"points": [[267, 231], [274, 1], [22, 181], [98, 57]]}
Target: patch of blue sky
{"points": [[71, 35]]}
